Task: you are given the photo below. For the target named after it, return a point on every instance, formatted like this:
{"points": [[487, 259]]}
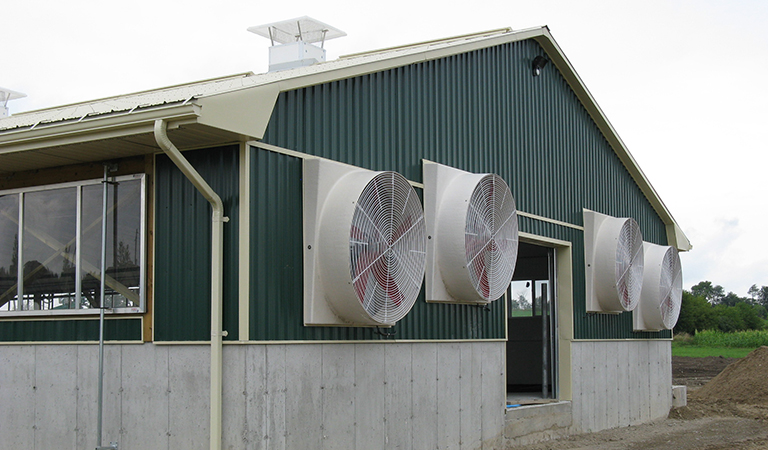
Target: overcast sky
{"points": [[683, 82]]}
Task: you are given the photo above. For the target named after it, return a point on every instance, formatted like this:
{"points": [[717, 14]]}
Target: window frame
{"points": [[142, 308]]}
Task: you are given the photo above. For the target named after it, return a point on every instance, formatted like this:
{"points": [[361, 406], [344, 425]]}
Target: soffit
{"points": [[184, 136]]}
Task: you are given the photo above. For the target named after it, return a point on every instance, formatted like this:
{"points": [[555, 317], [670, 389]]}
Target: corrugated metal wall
{"points": [[63, 330], [481, 111], [182, 300]]}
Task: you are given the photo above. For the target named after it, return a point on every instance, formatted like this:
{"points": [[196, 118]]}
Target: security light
{"points": [[538, 63]]}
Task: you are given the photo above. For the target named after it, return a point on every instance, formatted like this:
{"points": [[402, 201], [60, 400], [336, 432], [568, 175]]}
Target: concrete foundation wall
{"points": [[344, 396], [620, 383]]}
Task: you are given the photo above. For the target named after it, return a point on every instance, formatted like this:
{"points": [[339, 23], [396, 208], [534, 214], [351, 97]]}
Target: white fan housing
{"points": [[472, 235], [662, 293], [613, 257], [364, 245]]}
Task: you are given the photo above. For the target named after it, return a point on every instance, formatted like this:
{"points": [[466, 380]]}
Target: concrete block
{"points": [[470, 385], [17, 396], [398, 394], [448, 396], [234, 397], [370, 396], [424, 395], [144, 407], [189, 369], [304, 396], [338, 396], [526, 420], [273, 415], [679, 396]]}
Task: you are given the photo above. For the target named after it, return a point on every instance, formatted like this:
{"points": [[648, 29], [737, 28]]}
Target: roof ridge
{"points": [[481, 34]]}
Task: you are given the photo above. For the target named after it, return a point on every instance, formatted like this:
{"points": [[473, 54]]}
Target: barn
{"points": [[245, 307]]}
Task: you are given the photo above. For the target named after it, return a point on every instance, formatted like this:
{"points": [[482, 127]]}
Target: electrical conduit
{"points": [[217, 257]]}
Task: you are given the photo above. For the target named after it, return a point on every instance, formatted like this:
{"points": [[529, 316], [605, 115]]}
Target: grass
{"points": [[716, 343], [700, 352]]}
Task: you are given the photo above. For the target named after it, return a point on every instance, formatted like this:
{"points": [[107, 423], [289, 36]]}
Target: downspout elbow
{"points": [[161, 137]]}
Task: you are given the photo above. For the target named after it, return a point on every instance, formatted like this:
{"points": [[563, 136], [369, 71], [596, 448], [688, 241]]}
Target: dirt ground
{"points": [[729, 413]]}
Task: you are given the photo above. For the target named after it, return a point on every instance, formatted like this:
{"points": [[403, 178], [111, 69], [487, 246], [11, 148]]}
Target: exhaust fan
{"points": [[364, 245], [662, 292], [472, 235], [613, 256]]}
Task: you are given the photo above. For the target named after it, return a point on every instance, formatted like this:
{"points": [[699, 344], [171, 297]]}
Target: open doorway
{"points": [[532, 326]]}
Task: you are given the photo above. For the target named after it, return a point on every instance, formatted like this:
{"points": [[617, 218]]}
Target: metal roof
{"points": [[239, 107]]}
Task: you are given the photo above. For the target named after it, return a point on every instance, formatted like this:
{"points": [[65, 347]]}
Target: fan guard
{"points": [[662, 293], [387, 249], [364, 245], [613, 253], [473, 235], [491, 237], [629, 264]]}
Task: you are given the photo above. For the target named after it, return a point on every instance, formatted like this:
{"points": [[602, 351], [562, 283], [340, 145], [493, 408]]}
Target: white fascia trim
{"points": [[95, 129]]}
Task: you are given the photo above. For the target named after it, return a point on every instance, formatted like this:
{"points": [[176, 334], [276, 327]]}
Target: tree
{"points": [[729, 319], [749, 314], [696, 314], [762, 297], [705, 289], [732, 299], [753, 292], [761, 311], [713, 310]]}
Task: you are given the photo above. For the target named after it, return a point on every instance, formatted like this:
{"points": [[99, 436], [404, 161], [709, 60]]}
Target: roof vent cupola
{"points": [[7, 95], [294, 41]]}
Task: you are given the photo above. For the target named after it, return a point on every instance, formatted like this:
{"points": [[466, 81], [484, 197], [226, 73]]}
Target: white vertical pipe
{"points": [[217, 260]]}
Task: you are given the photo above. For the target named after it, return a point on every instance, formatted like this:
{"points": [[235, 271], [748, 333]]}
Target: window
{"points": [[55, 231]]}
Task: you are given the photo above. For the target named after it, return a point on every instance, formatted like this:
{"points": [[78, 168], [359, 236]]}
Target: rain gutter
{"points": [[217, 257]]}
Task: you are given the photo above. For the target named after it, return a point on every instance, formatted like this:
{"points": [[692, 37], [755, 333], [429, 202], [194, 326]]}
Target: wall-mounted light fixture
{"points": [[538, 64]]}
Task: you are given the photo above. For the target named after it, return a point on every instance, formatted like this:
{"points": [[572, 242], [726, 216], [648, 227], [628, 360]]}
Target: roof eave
{"points": [[99, 128]]}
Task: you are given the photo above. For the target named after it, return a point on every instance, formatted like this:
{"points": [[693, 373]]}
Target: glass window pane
{"points": [[123, 269], [520, 299], [48, 249], [9, 251]]}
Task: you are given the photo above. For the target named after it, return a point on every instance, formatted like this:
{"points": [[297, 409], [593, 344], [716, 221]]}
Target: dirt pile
{"points": [[745, 381]]}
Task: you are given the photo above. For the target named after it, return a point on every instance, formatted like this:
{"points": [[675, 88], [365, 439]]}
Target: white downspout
{"points": [[217, 259]]}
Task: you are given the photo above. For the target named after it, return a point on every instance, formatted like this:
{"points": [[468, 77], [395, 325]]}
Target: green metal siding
{"points": [[182, 300], [480, 111], [67, 330]]}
